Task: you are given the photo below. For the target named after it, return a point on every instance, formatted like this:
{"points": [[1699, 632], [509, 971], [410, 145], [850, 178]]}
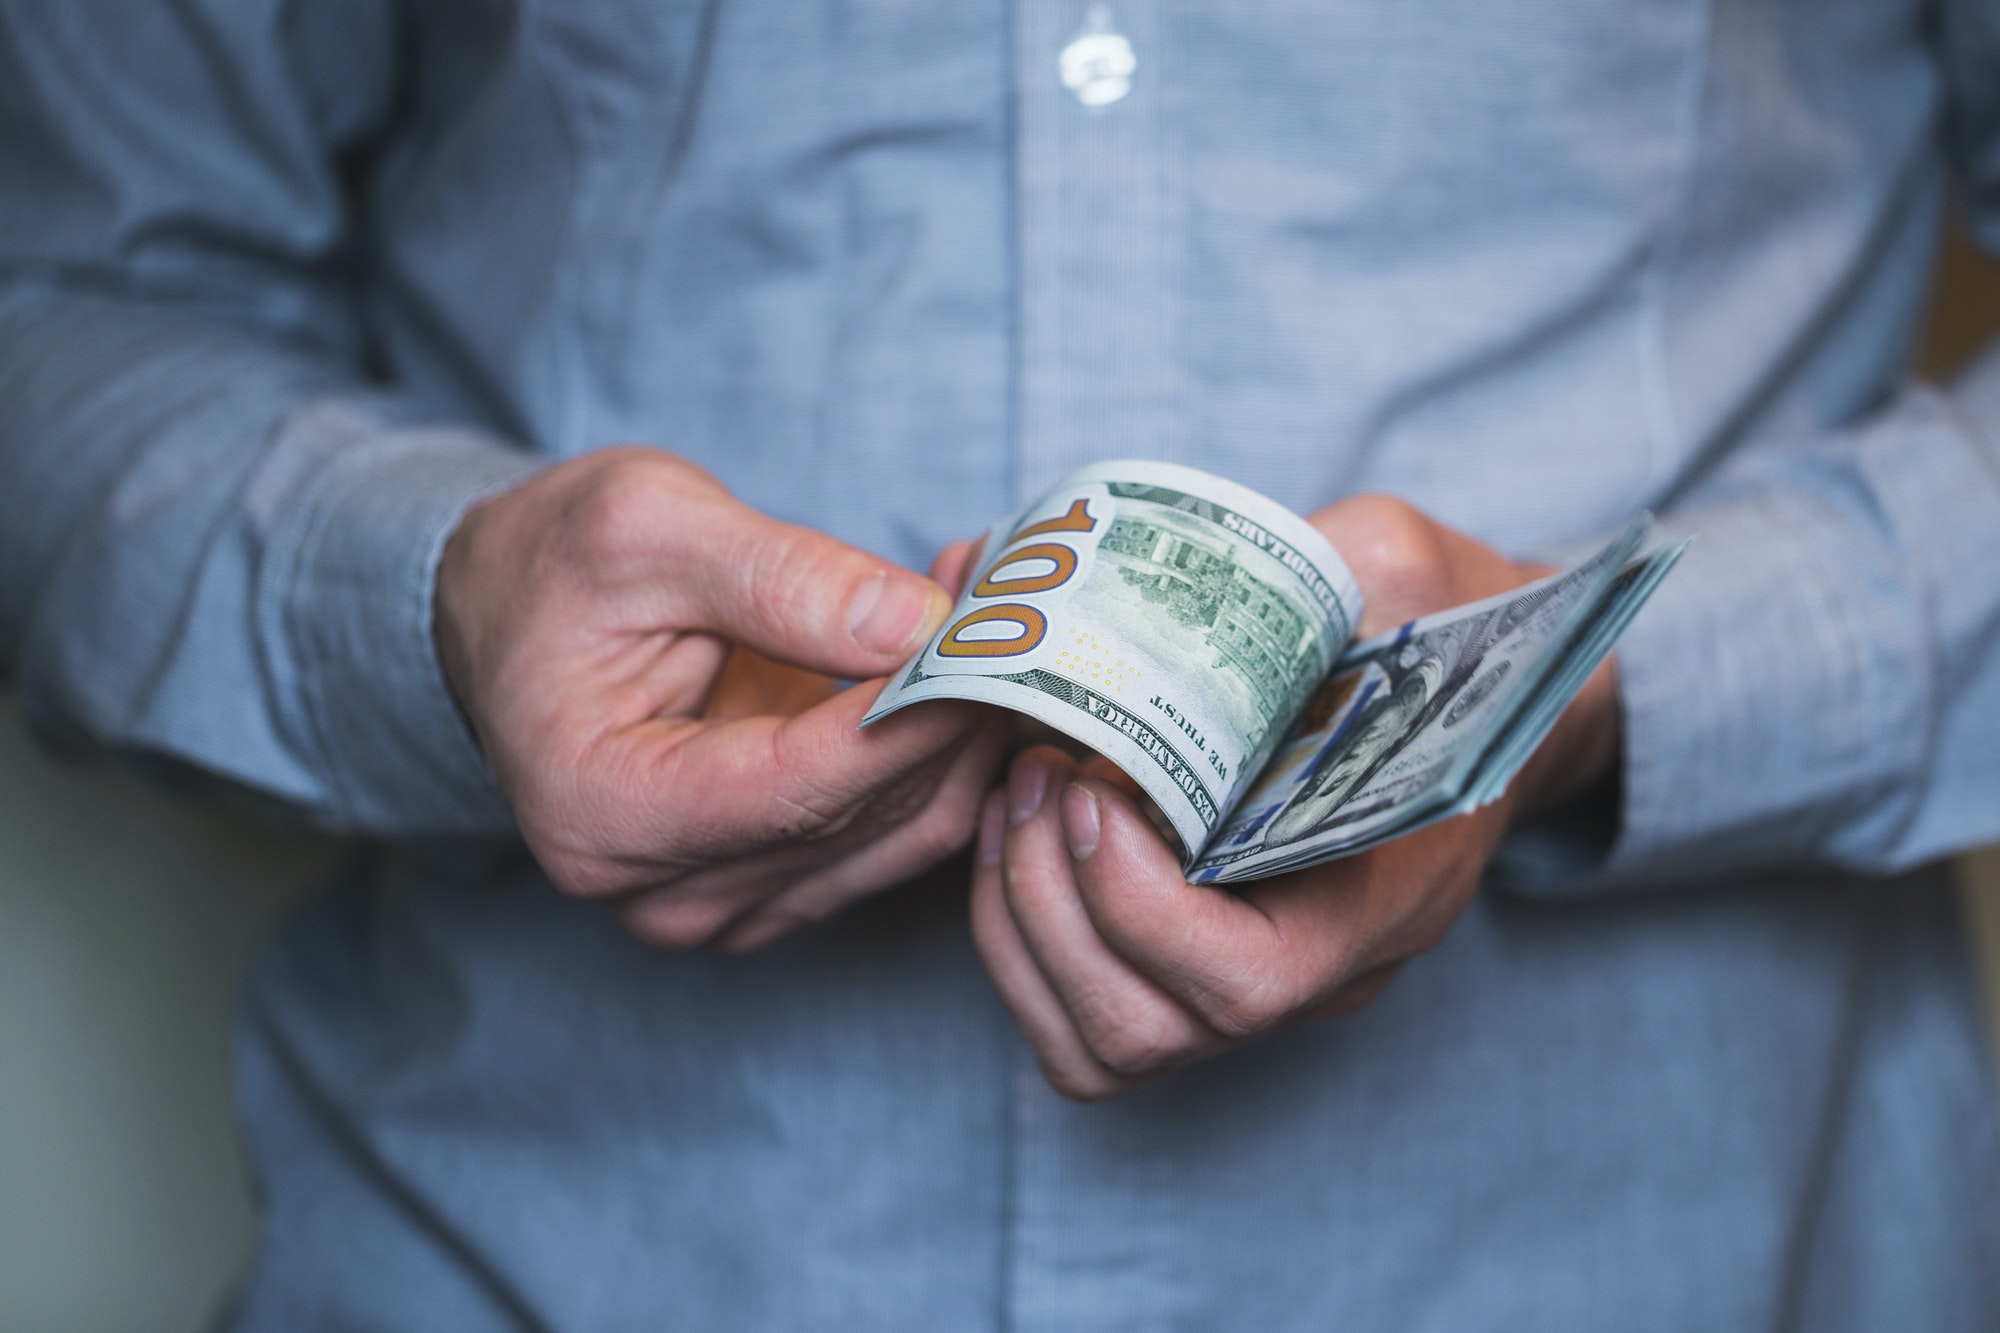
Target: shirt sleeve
{"points": [[217, 538], [1818, 683]]}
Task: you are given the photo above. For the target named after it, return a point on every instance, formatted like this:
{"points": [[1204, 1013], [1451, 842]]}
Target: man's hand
{"points": [[649, 666], [1118, 971]]}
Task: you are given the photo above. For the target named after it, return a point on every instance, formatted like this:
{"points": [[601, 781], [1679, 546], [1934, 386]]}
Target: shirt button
{"points": [[1097, 65]]}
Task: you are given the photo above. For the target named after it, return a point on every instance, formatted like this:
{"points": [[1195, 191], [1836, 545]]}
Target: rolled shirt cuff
{"points": [[1775, 691], [348, 599]]}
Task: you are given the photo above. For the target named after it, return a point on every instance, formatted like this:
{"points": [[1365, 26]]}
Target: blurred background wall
{"points": [[125, 920]]}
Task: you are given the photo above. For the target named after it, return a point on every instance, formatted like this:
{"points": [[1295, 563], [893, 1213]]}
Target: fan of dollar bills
{"points": [[1198, 635]]}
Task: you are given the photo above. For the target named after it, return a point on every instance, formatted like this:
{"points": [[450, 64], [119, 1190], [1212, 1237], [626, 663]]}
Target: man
{"points": [[315, 320]]}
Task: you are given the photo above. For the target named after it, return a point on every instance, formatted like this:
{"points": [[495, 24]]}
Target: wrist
{"points": [[480, 560], [359, 614], [449, 630], [1583, 750]]}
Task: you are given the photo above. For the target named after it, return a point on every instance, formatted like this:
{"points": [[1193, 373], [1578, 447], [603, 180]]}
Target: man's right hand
{"points": [[585, 619]]}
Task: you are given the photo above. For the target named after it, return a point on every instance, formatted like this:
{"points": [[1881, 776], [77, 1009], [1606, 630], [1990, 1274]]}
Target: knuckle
{"points": [[815, 799], [666, 936], [773, 561], [805, 813], [639, 464], [576, 876], [1249, 1012], [1387, 518], [811, 809], [631, 503], [797, 577], [1392, 537], [1137, 1047], [677, 924], [1080, 1084], [616, 517], [818, 805], [1135, 1037]]}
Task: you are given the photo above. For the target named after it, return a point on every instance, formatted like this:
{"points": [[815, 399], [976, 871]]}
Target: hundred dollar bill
{"points": [[1433, 719], [1197, 634], [1170, 620]]}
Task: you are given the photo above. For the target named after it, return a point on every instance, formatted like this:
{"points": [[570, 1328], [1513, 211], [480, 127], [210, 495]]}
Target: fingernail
{"points": [[889, 615], [1026, 786], [1081, 820], [992, 828]]}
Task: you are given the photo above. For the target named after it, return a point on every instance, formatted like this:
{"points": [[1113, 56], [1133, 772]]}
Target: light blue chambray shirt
{"points": [[284, 286]]}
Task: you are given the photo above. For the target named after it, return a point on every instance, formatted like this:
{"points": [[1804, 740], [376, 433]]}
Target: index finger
{"points": [[716, 789]]}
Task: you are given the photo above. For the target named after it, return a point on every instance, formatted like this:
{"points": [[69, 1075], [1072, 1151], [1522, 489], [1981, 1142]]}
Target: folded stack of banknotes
{"points": [[1199, 635]]}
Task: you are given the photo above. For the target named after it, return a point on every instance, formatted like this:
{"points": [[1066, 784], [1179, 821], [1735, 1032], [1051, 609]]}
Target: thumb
{"points": [[807, 599], [954, 563]]}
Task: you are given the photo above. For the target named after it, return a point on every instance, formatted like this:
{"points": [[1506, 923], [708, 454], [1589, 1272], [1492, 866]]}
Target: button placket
{"points": [[1098, 236], [1100, 280]]}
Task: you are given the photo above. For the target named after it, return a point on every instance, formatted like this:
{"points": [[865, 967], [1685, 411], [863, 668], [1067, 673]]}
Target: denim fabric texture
{"points": [[286, 287]]}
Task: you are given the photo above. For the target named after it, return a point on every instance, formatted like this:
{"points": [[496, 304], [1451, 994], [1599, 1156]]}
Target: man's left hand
{"points": [[1117, 970]]}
